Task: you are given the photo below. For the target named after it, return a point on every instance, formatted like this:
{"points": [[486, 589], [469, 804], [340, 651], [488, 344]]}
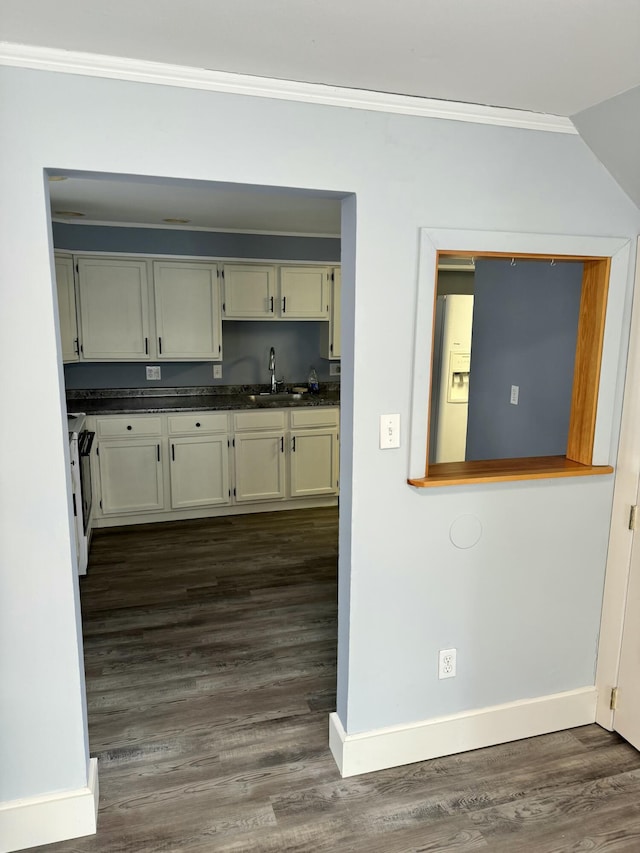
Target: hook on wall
{"points": [[553, 262], [513, 262]]}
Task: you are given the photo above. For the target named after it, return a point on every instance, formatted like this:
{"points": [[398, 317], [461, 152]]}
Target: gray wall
{"points": [[245, 345], [525, 321], [509, 603], [454, 281], [612, 130], [169, 241]]}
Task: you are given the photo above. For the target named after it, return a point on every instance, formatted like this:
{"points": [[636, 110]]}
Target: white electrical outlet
{"points": [[217, 371], [447, 663], [515, 395], [334, 369], [389, 432], [153, 372]]}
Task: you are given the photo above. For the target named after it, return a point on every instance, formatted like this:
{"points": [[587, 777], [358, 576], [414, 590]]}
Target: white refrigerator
{"points": [[450, 378]]}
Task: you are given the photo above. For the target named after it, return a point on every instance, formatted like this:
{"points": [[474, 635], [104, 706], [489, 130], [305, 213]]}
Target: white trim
{"points": [[166, 227], [433, 240], [398, 745], [620, 537], [51, 817], [163, 74]]}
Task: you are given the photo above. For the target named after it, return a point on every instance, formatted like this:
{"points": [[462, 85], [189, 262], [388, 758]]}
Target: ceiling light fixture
{"points": [[176, 221], [70, 214]]}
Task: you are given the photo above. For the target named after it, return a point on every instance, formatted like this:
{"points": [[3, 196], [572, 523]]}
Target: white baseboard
{"points": [[50, 818], [397, 745]]}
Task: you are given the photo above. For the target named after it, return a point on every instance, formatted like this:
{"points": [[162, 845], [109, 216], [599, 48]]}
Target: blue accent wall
{"points": [[167, 241], [525, 323]]}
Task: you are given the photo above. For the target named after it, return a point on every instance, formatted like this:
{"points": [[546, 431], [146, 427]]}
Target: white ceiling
{"points": [[553, 56], [218, 206]]}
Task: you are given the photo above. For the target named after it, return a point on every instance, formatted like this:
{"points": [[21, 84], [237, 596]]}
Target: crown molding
{"points": [[161, 74]]}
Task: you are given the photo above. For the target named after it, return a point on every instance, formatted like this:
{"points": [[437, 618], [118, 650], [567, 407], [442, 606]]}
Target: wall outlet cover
{"points": [[334, 369], [447, 660], [153, 372], [217, 371]]}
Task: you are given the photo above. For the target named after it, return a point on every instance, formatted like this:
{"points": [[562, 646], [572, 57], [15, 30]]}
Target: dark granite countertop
{"points": [[111, 401]]}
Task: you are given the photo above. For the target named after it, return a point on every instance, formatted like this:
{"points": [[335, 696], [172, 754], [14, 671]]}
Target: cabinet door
{"points": [[331, 331], [199, 471], [131, 476], [249, 291], [259, 466], [114, 309], [67, 309], [304, 293], [335, 322], [313, 469], [187, 305]]}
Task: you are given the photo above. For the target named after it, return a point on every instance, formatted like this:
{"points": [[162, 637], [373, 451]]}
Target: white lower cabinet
{"points": [[131, 475], [199, 471], [259, 467], [313, 463], [196, 464]]}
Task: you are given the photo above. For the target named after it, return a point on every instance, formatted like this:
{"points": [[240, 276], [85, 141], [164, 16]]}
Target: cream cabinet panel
{"points": [[187, 308], [131, 475], [114, 309], [67, 309], [314, 463], [197, 422], [129, 426], [304, 293], [330, 341], [199, 471], [249, 291], [259, 467]]}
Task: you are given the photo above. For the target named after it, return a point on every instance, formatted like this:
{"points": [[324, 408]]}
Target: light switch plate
{"points": [[153, 372], [334, 369], [515, 395], [389, 432], [217, 371]]}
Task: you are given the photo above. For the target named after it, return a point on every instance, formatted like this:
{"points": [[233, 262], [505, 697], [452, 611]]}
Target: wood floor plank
{"points": [[210, 656]]}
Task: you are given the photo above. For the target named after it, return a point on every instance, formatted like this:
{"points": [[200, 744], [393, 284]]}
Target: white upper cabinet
{"points": [[330, 340], [257, 292], [187, 311], [249, 291], [304, 293], [114, 309], [67, 308]]}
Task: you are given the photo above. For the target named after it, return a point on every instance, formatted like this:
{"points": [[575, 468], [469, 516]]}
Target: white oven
{"points": [[80, 441]]}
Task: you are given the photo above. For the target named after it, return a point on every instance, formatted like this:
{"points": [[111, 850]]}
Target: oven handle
{"points": [[85, 442]]}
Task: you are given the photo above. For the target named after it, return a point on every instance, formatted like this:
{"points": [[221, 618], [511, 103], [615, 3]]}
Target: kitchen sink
{"points": [[281, 398]]}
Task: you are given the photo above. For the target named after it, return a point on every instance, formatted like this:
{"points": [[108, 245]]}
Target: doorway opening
{"points": [[195, 470]]}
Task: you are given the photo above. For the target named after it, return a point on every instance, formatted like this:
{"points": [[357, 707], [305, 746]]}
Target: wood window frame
{"points": [[579, 459]]}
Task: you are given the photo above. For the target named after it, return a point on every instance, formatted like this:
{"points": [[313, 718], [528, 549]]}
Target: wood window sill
{"points": [[504, 470]]}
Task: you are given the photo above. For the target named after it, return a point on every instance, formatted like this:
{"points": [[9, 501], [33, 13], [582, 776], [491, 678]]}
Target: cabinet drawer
{"points": [[197, 423], [126, 427], [273, 419], [301, 418]]}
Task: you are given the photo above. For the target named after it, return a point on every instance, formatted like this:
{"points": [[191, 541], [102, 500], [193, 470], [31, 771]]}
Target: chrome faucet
{"points": [[272, 369]]}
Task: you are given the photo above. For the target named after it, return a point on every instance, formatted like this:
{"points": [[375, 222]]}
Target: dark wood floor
{"points": [[210, 653]]}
